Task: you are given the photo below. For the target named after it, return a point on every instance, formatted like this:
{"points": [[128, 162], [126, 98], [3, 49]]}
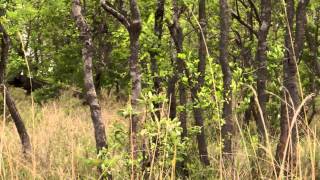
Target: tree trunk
{"points": [[22, 131], [133, 26], [158, 29], [180, 70], [91, 95], [227, 128], [134, 32], [135, 91], [177, 37], [293, 50], [197, 110], [262, 72], [171, 95]]}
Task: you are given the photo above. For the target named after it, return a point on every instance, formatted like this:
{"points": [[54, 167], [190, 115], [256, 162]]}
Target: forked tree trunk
{"points": [[227, 128], [22, 131], [133, 26], [91, 95]]}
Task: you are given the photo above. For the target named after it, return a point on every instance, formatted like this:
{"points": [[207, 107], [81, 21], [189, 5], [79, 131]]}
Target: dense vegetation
{"points": [[159, 89]]}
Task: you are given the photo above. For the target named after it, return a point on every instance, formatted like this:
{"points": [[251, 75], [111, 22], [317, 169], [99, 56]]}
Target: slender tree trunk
{"points": [[227, 128], [171, 95], [91, 95], [154, 53], [171, 84], [180, 70], [158, 28], [314, 65], [177, 37], [133, 26], [197, 110], [293, 45], [246, 57], [261, 60], [22, 131], [134, 32], [135, 92]]}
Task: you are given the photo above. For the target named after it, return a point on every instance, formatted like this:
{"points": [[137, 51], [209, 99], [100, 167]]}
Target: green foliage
{"points": [[53, 50], [48, 92]]}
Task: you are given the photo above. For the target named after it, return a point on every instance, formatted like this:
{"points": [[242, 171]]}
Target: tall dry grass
{"points": [[63, 144], [62, 139]]}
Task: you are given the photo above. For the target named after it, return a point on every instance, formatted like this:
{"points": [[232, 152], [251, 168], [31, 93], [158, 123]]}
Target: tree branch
{"points": [[255, 10], [238, 18], [116, 14]]}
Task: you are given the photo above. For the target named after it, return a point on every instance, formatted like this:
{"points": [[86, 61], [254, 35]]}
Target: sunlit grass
{"points": [[64, 145]]}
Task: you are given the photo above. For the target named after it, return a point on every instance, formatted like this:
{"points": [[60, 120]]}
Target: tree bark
{"points": [[180, 70], [262, 72], [171, 95], [293, 46], [197, 110], [227, 128], [133, 27], [22, 131], [158, 29], [91, 95], [177, 37]]}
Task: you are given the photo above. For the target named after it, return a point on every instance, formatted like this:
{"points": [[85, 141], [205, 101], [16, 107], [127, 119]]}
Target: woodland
{"points": [[159, 89]]}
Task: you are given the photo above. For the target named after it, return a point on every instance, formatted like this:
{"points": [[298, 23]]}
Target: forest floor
{"points": [[64, 148]]}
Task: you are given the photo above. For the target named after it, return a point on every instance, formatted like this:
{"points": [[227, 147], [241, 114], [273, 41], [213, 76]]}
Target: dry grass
{"points": [[63, 143], [62, 139]]}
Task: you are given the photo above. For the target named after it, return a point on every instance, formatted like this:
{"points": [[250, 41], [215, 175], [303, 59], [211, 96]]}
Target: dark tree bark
{"points": [[180, 70], [197, 110], [293, 45], [133, 27], [103, 48], [171, 95], [91, 95], [244, 43], [227, 128], [22, 131], [177, 37], [261, 60], [158, 29], [314, 65]]}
